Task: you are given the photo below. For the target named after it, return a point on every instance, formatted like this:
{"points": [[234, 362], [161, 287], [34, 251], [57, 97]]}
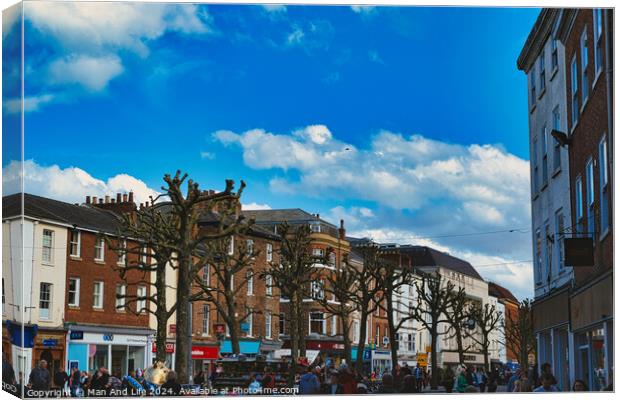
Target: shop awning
{"points": [[245, 347]]}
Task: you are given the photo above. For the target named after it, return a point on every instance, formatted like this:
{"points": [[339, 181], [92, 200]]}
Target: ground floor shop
{"points": [[451, 359], [118, 349]]}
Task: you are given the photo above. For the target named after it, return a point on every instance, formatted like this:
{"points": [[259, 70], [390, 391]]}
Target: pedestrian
{"points": [[580, 386], [387, 384], [309, 383], [60, 380], [481, 378], [199, 378], [254, 387], [461, 380], [515, 377], [74, 382], [268, 381], [546, 369], [40, 377], [524, 384], [347, 380], [171, 387], [493, 380], [419, 376], [8, 373], [334, 387], [546, 384]]}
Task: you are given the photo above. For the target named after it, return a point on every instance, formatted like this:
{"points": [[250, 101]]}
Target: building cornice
{"points": [[536, 39]]}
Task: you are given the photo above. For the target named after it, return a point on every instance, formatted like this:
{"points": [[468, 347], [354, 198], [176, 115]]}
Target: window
{"points": [[269, 285], [231, 246], [317, 252], [249, 320], [575, 99], [334, 325], [269, 252], [249, 245], [122, 254], [121, 291], [557, 156], [98, 295], [585, 85], [315, 227], [604, 186], [548, 251], [559, 239], [356, 331], [554, 54], [538, 257], [74, 243], [411, 342], [268, 325], [543, 143], [45, 300], [99, 249], [532, 88], [143, 255], [74, 292], [541, 71], [141, 300], [317, 323], [250, 280], [598, 41], [48, 244], [378, 336], [579, 204], [535, 161], [590, 196], [205, 319], [281, 321], [206, 277], [232, 282], [317, 290], [332, 260]]}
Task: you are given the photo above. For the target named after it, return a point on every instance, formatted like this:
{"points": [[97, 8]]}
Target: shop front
{"points": [[169, 361], [21, 347], [49, 345], [118, 349], [451, 358], [204, 358], [592, 326]]}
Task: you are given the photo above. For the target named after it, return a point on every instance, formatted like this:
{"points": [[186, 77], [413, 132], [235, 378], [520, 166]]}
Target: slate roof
{"points": [[424, 256], [281, 215], [82, 216], [501, 292]]}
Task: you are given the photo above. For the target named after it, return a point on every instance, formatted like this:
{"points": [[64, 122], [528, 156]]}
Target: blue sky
{"points": [[410, 123]]}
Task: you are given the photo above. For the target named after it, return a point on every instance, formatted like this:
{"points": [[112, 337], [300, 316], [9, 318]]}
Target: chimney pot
{"points": [[87, 199], [107, 199], [124, 197], [94, 199], [100, 201], [113, 201], [118, 197], [131, 197]]}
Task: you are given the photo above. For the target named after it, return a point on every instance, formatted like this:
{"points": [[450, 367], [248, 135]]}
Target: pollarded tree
{"points": [[487, 320], [519, 334], [459, 319], [434, 296]]}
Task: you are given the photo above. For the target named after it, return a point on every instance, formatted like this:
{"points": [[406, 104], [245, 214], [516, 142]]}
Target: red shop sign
{"points": [[173, 328], [169, 347], [205, 352]]}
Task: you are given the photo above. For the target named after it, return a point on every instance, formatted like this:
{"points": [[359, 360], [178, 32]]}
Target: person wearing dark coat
{"points": [[387, 384], [40, 377], [171, 387], [61, 378], [409, 384]]}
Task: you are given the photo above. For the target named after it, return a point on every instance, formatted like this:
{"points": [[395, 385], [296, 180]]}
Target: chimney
{"points": [[107, 199], [112, 201], [124, 197], [342, 231], [87, 199], [94, 199], [131, 197], [100, 201], [118, 197]]}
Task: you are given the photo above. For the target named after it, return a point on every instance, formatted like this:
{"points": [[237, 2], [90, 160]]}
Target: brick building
{"points": [[587, 37], [510, 312]]}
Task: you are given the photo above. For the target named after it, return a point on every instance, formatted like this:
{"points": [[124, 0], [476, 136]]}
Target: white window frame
{"points": [[100, 244], [77, 244], [76, 302], [268, 325], [269, 252], [119, 303], [206, 310], [206, 274], [574, 77], [50, 288], [578, 201], [541, 73], [322, 321], [250, 322], [597, 26], [318, 252], [249, 245], [603, 186], [554, 54], [122, 255], [50, 247], [269, 285], [281, 324], [231, 246], [334, 325], [141, 304], [557, 125], [98, 296], [250, 282], [144, 255], [317, 289], [583, 51], [589, 182]]}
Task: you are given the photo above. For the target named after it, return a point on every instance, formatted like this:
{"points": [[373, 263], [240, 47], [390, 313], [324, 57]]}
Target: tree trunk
{"points": [[293, 332], [301, 331], [486, 358], [183, 344], [434, 374], [361, 344], [233, 325], [160, 335], [346, 329], [459, 345]]}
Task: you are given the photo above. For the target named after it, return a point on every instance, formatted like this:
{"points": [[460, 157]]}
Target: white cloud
{"points": [[274, 8], [10, 17], [310, 36], [93, 73], [70, 184], [31, 103], [255, 206], [205, 155], [364, 10]]}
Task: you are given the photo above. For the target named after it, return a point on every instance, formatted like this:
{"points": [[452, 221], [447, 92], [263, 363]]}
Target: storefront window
{"points": [[119, 360], [135, 358], [97, 356], [599, 381]]}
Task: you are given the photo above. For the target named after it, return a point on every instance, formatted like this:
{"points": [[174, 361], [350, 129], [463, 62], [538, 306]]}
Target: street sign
{"points": [[76, 335], [422, 359], [50, 342], [429, 349], [219, 328], [245, 327], [386, 340]]}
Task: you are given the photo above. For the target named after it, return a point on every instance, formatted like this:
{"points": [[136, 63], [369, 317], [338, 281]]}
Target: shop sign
{"points": [[108, 337], [205, 352], [386, 340], [316, 345], [169, 347], [219, 328], [76, 335], [429, 349], [422, 359], [50, 342], [173, 328], [578, 252], [245, 327]]}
